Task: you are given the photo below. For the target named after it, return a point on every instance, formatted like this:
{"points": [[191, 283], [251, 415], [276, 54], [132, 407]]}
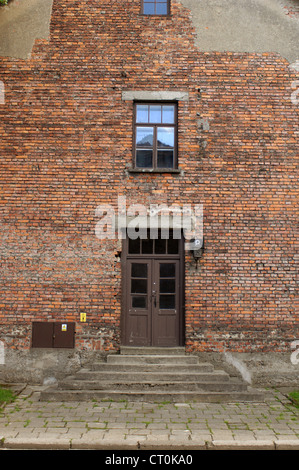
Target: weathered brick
{"points": [[66, 145]]}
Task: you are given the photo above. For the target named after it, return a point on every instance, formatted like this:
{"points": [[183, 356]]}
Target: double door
{"points": [[153, 298]]}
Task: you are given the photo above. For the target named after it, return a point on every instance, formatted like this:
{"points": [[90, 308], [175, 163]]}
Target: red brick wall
{"points": [[66, 140]]}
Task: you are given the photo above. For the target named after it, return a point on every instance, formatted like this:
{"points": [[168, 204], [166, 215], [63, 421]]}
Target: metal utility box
{"points": [[53, 334]]}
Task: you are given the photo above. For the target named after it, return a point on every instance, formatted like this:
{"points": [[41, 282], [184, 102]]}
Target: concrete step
{"points": [[136, 375], [151, 397], [167, 387], [167, 367], [152, 351], [151, 359]]}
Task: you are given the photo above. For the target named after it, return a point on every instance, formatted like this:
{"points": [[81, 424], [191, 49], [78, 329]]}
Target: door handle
{"points": [[154, 298]]}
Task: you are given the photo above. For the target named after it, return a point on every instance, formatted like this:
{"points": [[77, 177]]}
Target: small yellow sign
{"points": [[64, 327], [83, 317]]}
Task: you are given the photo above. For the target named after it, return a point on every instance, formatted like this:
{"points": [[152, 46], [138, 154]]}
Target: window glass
{"points": [[173, 246], [139, 302], [144, 136], [155, 114], [167, 286], [167, 301], [138, 286], [144, 158], [165, 137], [167, 270], [147, 246], [134, 246], [142, 113], [148, 8], [160, 246], [161, 8], [139, 270], [168, 114], [165, 159]]}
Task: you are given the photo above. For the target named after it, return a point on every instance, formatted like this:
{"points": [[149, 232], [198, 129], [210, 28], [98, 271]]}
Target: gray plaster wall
{"points": [[258, 368], [45, 366], [37, 366], [246, 26], [21, 23]]}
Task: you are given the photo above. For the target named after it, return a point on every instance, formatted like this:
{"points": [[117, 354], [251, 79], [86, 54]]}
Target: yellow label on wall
{"points": [[82, 317]]}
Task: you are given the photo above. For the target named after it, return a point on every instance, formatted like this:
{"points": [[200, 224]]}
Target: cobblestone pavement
{"points": [[28, 423]]}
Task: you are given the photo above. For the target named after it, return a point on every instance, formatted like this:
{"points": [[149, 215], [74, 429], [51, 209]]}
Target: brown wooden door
{"points": [[152, 316]]}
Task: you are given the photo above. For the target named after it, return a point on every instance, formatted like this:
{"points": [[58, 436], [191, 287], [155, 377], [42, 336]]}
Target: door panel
{"points": [[166, 312], [138, 321]]}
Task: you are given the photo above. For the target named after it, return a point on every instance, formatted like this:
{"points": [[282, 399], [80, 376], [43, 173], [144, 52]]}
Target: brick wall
{"points": [[66, 146]]}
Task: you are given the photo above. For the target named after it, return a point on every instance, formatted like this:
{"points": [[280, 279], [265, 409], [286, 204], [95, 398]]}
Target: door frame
{"points": [[124, 283]]}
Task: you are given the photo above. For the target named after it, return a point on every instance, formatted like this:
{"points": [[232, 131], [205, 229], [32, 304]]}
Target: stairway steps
{"points": [[151, 375]]}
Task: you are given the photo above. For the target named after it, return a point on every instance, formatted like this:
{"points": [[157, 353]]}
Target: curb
{"points": [[80, 444]]}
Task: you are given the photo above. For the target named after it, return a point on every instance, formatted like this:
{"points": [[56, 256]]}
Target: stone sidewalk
{"points": [[28, 423]]}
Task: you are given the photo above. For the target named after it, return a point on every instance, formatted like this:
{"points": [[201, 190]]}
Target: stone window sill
{"points": [[156, 170]]}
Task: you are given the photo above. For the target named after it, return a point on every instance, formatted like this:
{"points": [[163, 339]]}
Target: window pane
{"points": [[173, 246], [160, 246], [148, 8], [167, 270], [165, 159], [147, 246], [139, 270], [161, 9], [134, 246], [167, 301], [142, 113], [165, 137], [139, 286], [155, 114], [167, 286], [144, 136], [139, 302], [144, 158], [168, 114]]}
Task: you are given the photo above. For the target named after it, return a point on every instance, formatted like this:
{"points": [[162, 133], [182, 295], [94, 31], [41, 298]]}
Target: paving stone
{"points": [[157, 426], [53, 442], [242, 445], [219, 426], [287, 444]]}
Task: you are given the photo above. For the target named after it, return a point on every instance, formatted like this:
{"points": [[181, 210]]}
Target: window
{"points": [[155, 7], [155, 135], [155, 246]]}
